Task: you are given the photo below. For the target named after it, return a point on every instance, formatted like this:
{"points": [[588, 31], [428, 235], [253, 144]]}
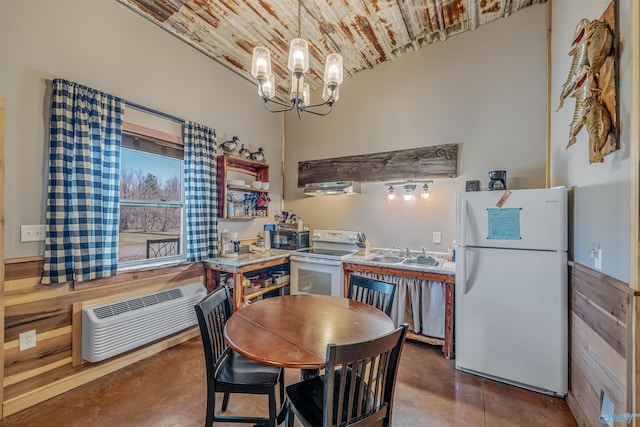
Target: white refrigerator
{"points": [[511, 292]]}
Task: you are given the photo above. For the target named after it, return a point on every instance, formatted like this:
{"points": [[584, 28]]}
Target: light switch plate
{"points": [[598, 260], [437, 237], [31, 233]]}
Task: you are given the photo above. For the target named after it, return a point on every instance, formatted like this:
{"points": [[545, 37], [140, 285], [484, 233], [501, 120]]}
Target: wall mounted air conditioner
{"points": [[113, 328]]}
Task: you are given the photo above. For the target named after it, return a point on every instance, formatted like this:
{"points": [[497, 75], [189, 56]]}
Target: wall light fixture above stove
{"points": [[409, 187]]}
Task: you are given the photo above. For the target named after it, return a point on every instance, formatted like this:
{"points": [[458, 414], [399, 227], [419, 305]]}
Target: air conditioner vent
{"points": [[136, 303], [112, 328]]}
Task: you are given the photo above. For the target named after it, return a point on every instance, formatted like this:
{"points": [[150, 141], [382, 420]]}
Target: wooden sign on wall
{"points": [[438, 161]]}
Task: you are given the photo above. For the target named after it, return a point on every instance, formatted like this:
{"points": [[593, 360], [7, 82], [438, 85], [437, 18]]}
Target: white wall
{"points": [[485, 89], [601, 210], [104, 45]]}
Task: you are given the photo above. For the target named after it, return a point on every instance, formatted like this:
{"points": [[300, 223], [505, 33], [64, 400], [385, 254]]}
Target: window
{"points": [[151, 201]]}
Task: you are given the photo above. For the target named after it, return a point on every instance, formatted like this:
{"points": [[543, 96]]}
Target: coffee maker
{"points": [[229, 246], [498, 180]]}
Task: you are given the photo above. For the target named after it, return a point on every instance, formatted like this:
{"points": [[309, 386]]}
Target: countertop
{"points": [[247, 259], [448, 267]]}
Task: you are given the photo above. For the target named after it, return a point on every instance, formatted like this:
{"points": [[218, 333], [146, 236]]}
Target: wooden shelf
{"points": [[258, 171], [245, 217], [240, 188], [238, 272], [263, 291]]}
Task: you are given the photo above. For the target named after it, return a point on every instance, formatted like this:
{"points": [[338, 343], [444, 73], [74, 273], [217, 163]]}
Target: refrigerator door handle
{"points": [[462, 238], [461, 264]]}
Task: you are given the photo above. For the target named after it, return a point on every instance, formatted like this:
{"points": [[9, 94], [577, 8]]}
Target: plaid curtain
{"points": [[201, 200], [83, 193]]}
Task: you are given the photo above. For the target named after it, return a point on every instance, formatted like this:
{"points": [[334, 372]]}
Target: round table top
{"points": [[293, 331]]}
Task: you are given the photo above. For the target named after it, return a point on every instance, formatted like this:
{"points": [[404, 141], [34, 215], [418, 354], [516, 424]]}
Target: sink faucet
{"points": [[406, 251], [424, 251], [395, 248]]}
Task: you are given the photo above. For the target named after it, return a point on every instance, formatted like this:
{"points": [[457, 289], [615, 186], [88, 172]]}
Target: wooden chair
{"points": [[373, 292], [356, 389], [227, 371]]}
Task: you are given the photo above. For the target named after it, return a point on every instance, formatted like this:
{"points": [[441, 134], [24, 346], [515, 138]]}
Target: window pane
{"points": [[149, 233], [146, 176]]}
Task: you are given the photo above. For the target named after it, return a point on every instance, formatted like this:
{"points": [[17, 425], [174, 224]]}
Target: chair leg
{"points": [[290, 417], [225, 401], [211, 406], [281, 379], [273, 412]]}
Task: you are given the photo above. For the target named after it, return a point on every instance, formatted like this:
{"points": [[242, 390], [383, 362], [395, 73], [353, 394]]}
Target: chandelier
{"points": [[298, 65]]}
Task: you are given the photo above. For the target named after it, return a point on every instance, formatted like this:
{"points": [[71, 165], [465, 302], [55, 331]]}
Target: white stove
{"points": [[318, 269]]}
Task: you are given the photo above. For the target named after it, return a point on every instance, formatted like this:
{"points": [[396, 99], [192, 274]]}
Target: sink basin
{"points": [[389, 259], [428, 261]]}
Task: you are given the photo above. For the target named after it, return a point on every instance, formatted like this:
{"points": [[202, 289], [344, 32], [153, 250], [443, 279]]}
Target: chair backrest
{"points": [[365, 394], [373, 292], [212, 312]]}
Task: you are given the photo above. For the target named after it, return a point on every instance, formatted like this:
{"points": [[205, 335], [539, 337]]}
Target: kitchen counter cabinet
{"points": [[242, 265], [447, 279]]}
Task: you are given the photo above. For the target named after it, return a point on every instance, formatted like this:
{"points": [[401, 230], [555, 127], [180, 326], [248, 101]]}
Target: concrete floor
{"points": [[169, 390]]}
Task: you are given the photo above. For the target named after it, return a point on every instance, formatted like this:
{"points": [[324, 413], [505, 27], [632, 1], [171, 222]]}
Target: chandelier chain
{"points": [[299, 13]]}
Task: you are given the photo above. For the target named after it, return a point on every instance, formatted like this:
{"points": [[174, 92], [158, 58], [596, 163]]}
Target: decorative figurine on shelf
{"points": [[244, 153], [258, 156], [229, 146]]}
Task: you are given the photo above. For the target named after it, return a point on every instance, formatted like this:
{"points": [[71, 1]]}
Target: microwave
{"points": [[288, 239]]}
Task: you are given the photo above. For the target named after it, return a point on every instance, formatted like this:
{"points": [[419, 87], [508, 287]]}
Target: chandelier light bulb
{"points": [[268, 88], [306, 96], [298, 56], [327, 94], [297, 88], [261, 63], [333, 74]]}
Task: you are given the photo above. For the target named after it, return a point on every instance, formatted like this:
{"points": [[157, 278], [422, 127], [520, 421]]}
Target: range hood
{"points": [[331, 188]]}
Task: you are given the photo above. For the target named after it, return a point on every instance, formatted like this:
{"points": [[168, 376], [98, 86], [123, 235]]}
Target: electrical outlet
{"points": [[27, 340], [437, 237], [598, 259], [31, 233]]}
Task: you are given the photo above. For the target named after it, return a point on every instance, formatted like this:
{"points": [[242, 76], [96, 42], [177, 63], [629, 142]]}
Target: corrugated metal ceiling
{"points": [[365, 33]]}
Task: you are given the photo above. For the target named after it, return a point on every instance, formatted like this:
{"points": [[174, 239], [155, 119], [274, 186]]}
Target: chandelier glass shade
{"points": [[298, 65]]}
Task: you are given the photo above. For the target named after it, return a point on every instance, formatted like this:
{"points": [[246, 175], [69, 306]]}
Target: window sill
{"points": [[136, 272]]}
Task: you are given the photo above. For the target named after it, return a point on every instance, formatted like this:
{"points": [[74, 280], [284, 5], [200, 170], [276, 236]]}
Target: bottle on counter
{"points": [[453, 251]]}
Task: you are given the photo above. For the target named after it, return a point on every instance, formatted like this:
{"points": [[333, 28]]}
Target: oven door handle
{"points": [[319, 261]]}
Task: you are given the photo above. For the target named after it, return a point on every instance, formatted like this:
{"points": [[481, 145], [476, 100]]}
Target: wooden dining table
{"points": [[293, 331]]}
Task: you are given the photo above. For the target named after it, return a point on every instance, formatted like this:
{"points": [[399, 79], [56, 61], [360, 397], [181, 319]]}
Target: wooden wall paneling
{"points": [[3, 108], [601, 341], [55, 311], [634, 187], [438, 161], [76, 334]]}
